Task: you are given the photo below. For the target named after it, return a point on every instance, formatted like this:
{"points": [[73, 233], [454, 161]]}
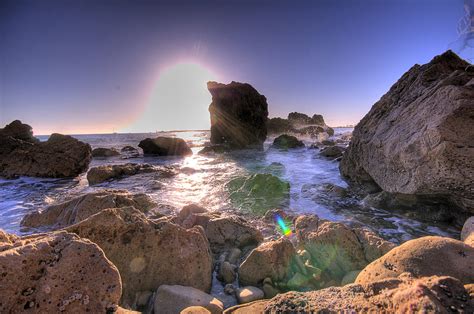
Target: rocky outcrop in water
{"points": [[23, 155], [104, 152], [393, 295], [418, 256], [418, 138], [79, 208], [149, 254], [58, 272], [104, 173], [165, 146], [286, 141], [300, 124], [238, 115]]}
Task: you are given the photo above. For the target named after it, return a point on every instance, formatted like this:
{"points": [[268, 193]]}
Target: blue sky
{"points": [[90, 66]]}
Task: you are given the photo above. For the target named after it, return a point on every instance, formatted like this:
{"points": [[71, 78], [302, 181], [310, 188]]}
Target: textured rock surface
{"points": [[300, 124], [172, 299], [271, 259], [104, 173], [426, 256], [79, 208], [467, 232], [57, 272], [165, 146], [238, 115], [418, 138], [332, 151], [104, 152], [402, 295], [149, 254], [23, 155], [287, 141], [249, 294]]}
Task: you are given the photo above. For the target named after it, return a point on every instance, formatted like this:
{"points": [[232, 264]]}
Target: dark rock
{"points": [[418, 138], [165, 146], [104, 152], [332, 152], [104, 173], [23, 155], [238, 115], [287, 141], [214, 149], [130, 152], [278, 126]]}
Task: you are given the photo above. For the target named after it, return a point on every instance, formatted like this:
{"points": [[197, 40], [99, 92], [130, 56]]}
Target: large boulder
{"points": [[278, 126], [418, 138], [79, 208], [58, 272], [401, 295], [238, 115], [426, 256], [286, 141], [165, 146], [297, 118], [23, 155], [149, 254], [172, 299], [104, 173], [104, 152], [269, 260]]}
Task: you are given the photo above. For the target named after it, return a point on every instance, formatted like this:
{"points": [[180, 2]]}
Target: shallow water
{"points": [[202, 179]]}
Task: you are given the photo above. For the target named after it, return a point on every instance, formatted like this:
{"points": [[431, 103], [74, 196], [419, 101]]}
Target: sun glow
{"points": [[179, 101]]}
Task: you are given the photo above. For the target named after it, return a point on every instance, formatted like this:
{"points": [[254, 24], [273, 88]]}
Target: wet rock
{"points": [[332, 152], [328, 143], [229, 289], [286, 141], [104, 173], [57, 272], [418, 138], [149, 254], [269, 291], [23, 155], [278, 126], [79, 208], [190, 209], [104, 152], [272, 214], [172, 299], [238, 115], [418, 257], [226, 272], [130, 152], [214, 149], [467, 232], [312, 131], [234, 255], [231, 231], [252, 307], [271, 259], [249, 294], [165, 146], [402, 295], [258, 193]]}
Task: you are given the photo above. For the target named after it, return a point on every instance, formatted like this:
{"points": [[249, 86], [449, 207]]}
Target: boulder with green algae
{"points": [[258, 192]]}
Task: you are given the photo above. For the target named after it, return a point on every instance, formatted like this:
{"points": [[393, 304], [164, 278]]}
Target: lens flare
{"points": [[284, 228]]}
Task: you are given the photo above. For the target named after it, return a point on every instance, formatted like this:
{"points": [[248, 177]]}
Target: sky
{"points": [[102, 66]]}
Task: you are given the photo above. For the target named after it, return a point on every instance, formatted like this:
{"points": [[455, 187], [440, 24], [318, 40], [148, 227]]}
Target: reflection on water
{"points": [[315, 185]]}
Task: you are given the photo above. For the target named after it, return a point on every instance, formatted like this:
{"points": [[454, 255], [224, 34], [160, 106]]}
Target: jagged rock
{"points": [[419, 257], [165, 146], [271, 259], [303, 119], [278, 126], [79, 208], [149, 254], [238, 115], [402, 295], [104, 152], [332, 152], [57, 272], [172, 299], [104, 173], [418, 138], [249, 294], [286, 141], [23, 155], [467, 232]]}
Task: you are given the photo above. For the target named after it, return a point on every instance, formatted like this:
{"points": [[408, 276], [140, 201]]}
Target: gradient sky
{"points": [[92, 66]]}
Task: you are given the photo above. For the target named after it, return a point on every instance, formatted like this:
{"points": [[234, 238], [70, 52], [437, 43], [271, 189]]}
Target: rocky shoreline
{"points": [[110, 251]]}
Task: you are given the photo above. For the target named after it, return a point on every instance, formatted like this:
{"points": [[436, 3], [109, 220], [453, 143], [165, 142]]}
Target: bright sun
{"points": [[179, 101]]}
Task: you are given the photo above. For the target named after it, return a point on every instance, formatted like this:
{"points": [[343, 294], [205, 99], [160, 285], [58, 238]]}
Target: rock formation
{"points": [[286, 141], [149, 254], [23, 155], [238, 115], [104, 152], [418, 138], [171, 299], [57, 272], [104, 173], [165, 146], [79, 208], [300, 124]]}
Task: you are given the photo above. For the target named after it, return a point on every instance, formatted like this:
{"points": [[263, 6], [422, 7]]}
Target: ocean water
{"points": [[202, 180]]}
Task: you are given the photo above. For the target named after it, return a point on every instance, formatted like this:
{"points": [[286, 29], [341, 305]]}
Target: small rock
{"points": [[172, 299], [104, 152], [249, 294], [286, 141], [269, 291], [234, 255], [229, 289], [332, 152], [226, 273]]}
